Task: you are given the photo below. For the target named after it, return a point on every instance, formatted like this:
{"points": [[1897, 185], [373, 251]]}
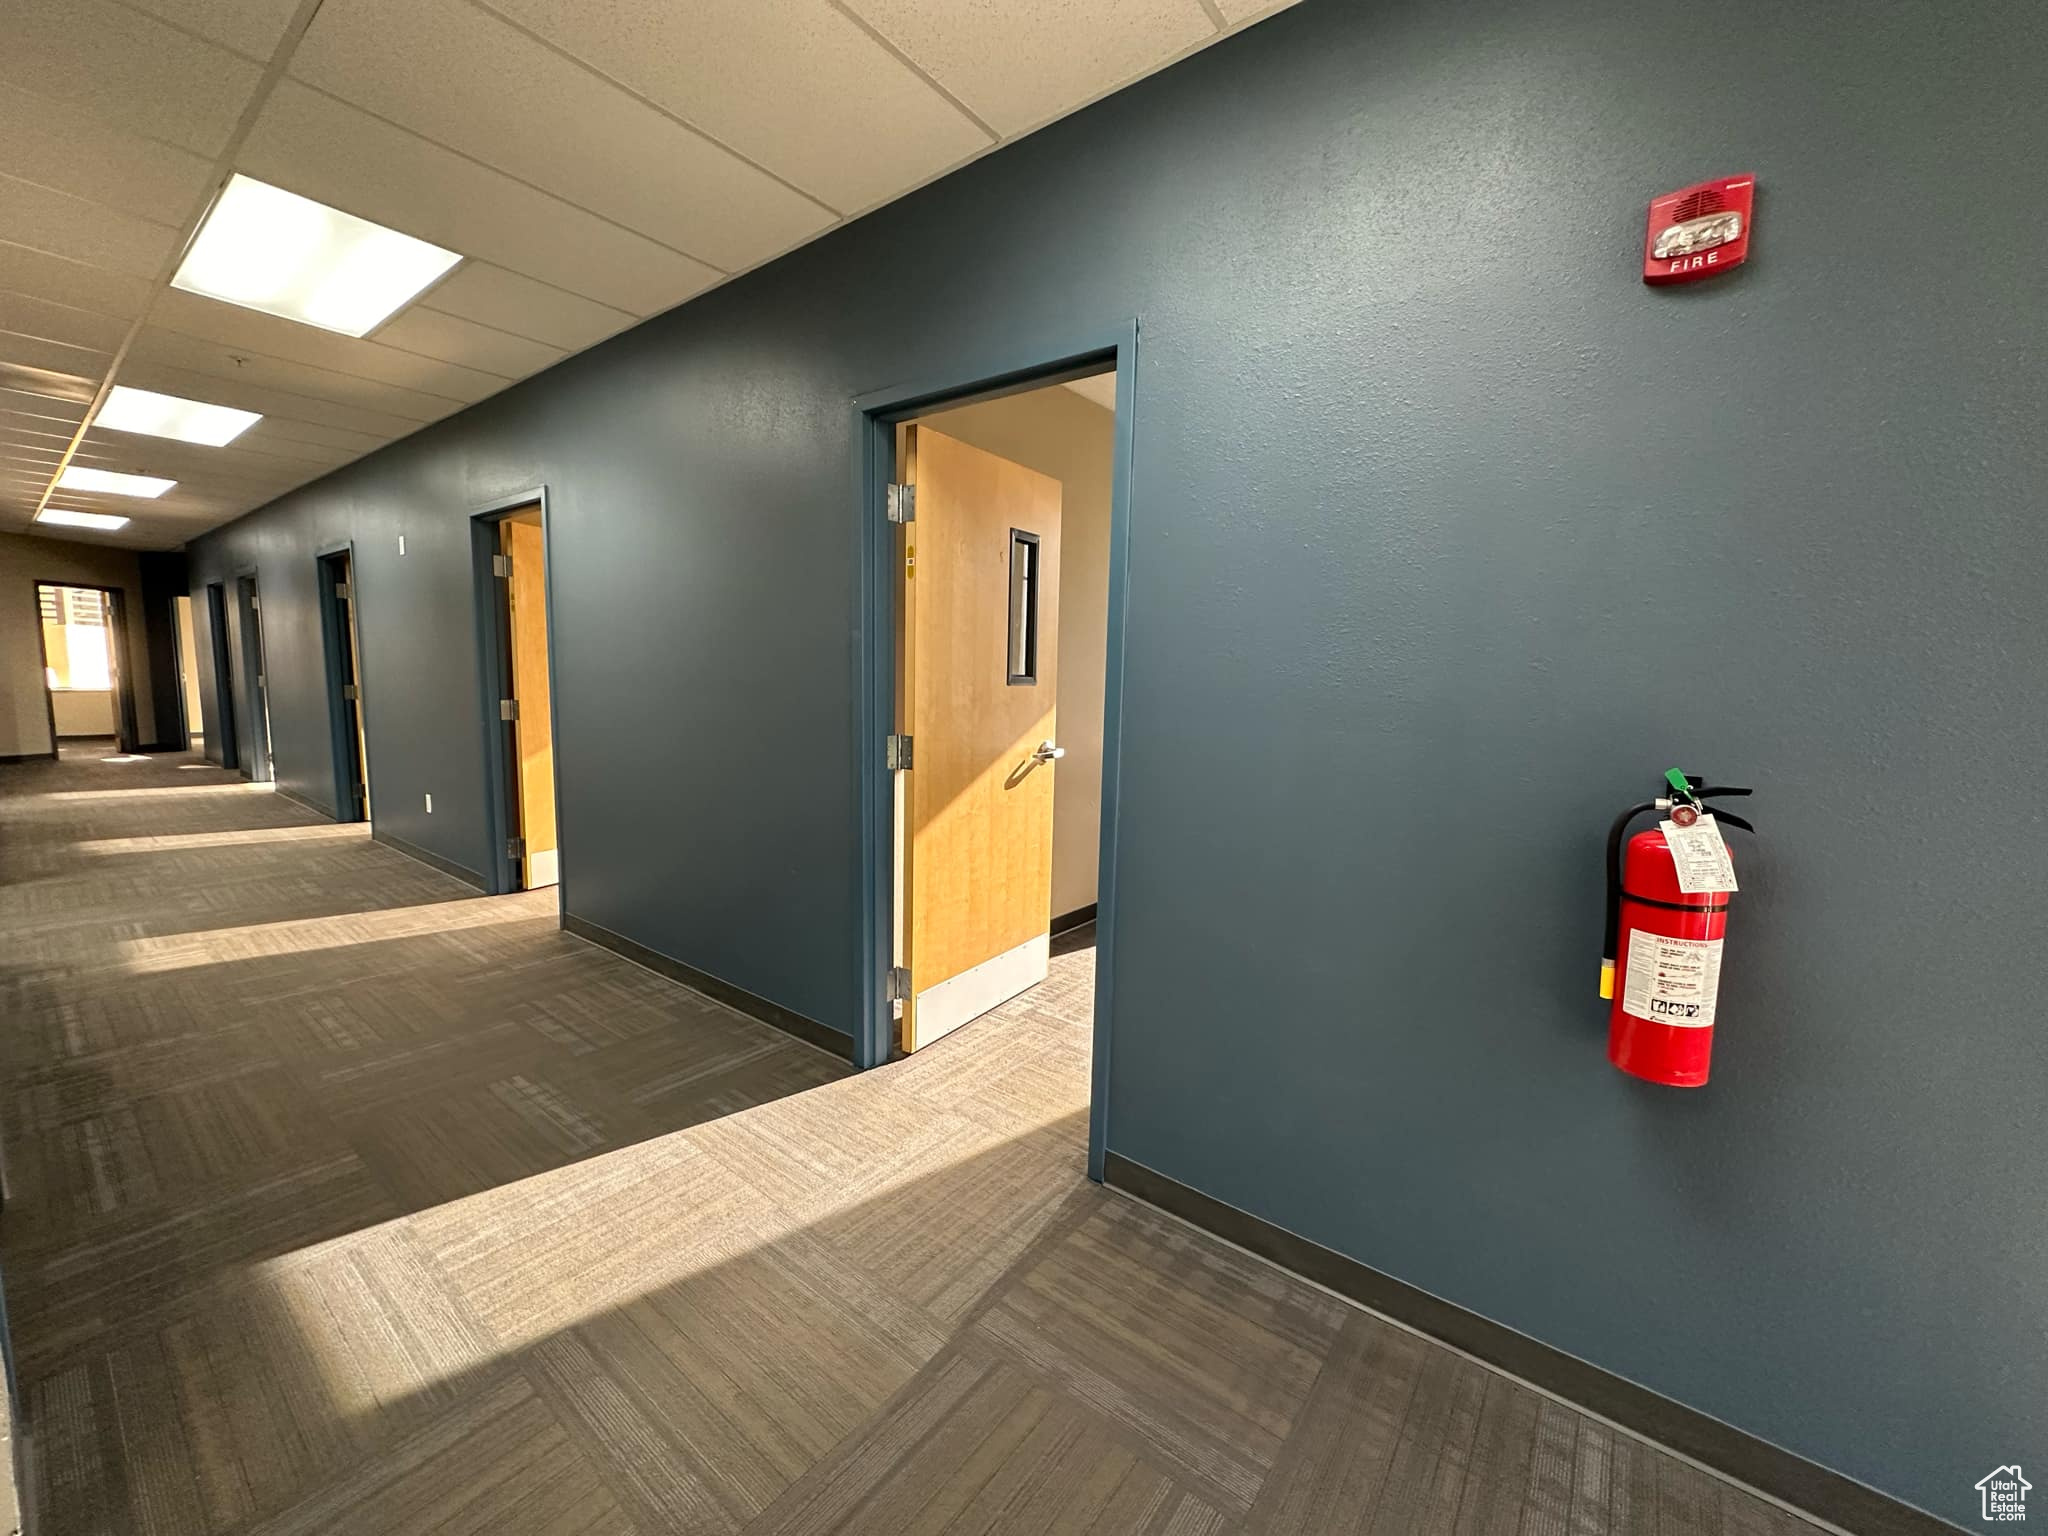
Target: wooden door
{"points": [[532, 731], [978, 655]]}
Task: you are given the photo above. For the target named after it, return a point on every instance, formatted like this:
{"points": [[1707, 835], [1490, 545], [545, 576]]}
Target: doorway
{"points": [[188, 674], [252, 696], [510, 545], [84, 635], [221, 650], [350, 746], [992, 639]]}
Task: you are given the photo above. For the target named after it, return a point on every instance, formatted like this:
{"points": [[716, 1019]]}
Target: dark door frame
{"points": [[351, 771], [223, 674], [875, 417], [261, 769], [494, 679], [126, 732]]}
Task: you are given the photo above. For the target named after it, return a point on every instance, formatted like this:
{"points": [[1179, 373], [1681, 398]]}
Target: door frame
{"points": [[218, 649], [126, 731], [494, 681], [345, 746], [875, 418], [255, 749]]}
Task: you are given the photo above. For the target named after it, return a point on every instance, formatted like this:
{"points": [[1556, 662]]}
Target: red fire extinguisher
{"points": [[1665, 923]]}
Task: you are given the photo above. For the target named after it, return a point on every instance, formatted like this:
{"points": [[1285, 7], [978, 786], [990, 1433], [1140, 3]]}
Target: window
{"points": [[1023, 606], [75, 638]]}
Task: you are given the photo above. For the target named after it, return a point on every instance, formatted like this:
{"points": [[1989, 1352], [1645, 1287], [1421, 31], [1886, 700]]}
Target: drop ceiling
{"points": [[594, 165]]}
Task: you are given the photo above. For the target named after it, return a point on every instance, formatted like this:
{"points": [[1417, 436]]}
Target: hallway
{"points": [[340, 1198]]}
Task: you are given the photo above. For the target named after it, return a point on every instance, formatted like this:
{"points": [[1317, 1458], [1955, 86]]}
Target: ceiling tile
{"points": [[1017, 66], [318, 420], [433, 334], [321, 148], [1236, 11], [53, 356], [82, 231], [26, 316], [175, 349], [252, 27], [245, 331], [62, 281], [441, 68], [42, 141], [793, 85], [492, 296], [18, 406], [126, 69]]}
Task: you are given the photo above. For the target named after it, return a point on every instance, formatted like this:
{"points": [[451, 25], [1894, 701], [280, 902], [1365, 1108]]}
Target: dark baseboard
{"points": [[413, 851], [1803, 1484], [1080, 917], [808, 1030], [27, 757], [313, 805]]}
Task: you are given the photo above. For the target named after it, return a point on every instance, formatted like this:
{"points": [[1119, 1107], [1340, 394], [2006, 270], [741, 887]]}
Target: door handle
{"points": [[1047, 752]]}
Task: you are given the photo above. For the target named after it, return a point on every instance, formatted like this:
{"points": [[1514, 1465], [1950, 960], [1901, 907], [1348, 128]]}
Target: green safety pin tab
{"points": [[1681, 786]]}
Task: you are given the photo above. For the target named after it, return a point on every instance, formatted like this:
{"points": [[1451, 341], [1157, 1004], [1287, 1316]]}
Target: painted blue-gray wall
{"points": [[1448, 536]]}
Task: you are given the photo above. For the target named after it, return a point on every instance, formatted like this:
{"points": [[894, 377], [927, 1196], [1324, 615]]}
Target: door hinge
{"points": [[896, 985], [515, 848], [897, 753], [343, 592], [508, 709], [902, 503], [261, 680], [350, 693], [501, 565], [255, 603]]}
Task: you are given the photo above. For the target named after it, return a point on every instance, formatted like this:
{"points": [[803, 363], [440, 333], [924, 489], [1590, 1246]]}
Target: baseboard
{"points": [[1080, 917], [806, 1029], [313, 805], [1768, 1468], [7, 758], [433, 860]]}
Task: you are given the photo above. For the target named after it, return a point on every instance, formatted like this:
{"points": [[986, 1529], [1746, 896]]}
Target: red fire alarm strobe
{"points": [[1698, 231]]}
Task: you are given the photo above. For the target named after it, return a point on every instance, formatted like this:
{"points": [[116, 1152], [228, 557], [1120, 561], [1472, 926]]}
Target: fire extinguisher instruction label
{"points": [[1672, 981], [1699, 856]]}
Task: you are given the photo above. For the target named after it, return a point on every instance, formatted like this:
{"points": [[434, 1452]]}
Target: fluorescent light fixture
{"points": [[106, 522], [77, 477], [189, 421], [265, 248]]}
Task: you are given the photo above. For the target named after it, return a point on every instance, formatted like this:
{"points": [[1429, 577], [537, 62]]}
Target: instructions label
{"points": [[1672, 981], [1700, 856]]}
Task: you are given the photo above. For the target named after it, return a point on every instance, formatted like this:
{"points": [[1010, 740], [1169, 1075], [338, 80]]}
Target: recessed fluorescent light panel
{"points": [[77, 477], [189, 421], [265, 248], [106, 522]]}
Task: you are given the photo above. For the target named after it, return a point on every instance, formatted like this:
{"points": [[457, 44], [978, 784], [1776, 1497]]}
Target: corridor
{"points": [[342, 1199]]}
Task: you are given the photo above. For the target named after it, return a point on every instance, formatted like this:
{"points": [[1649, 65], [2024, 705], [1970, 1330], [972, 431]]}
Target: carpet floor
{"points": [[342, 1199]]}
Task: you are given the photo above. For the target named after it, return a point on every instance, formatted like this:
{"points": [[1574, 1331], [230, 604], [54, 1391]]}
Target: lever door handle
{"points": [[1047, 752]]}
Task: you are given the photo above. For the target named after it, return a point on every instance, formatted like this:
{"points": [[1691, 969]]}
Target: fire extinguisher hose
{"points": [[1610, 937]]}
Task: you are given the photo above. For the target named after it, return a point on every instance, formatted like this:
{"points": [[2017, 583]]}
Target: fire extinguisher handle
{"points": [[1712, 791], [1730, 819]]}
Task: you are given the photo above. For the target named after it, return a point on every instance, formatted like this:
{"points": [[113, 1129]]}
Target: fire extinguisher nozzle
{"points": [[1606, 981]]}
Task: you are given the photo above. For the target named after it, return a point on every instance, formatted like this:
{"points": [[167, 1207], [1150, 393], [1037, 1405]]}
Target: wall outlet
{"points": [[430, 805]]}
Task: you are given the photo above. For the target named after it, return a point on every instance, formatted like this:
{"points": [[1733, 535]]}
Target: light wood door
{"points": [[533, 739], [977, 655]]}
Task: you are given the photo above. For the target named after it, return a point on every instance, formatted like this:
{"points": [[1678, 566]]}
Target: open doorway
{"points": [[188, 674], [344, 686], [220, 651], [1000, 586], [84, 636], [251, 685], [510, 544]]}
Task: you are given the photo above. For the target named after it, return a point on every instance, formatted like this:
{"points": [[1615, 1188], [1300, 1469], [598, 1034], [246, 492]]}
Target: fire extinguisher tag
{"points": [[1700, 857], [1672, 981]]}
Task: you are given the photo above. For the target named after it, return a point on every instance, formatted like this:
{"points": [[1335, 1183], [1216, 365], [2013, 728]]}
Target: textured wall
{"points": [[1448, 535]]}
